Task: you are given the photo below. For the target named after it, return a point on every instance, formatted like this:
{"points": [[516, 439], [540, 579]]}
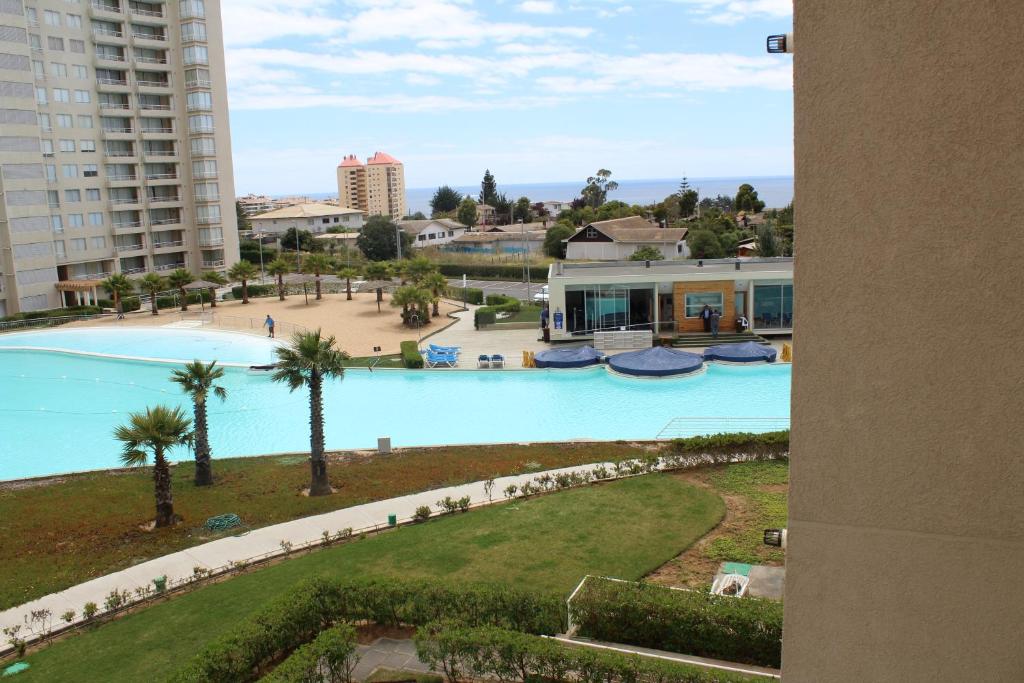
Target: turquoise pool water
{"points": [[58, 410]]}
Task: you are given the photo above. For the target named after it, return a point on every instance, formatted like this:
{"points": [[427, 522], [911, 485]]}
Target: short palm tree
{"points": [[178, 279], [279, 268], [419, 268], [414, 301], [318, 264], [197, 380], [437, 284], [243, 271], [118, 285], [378, 270], [152, 284], [306, 362], [216, 278], [348, 274], [155, 431]]}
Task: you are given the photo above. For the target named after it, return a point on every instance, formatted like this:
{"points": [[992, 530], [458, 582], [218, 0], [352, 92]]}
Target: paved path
{"points": [[390, 653], [489, 341], [259, 542], [513, 289]]}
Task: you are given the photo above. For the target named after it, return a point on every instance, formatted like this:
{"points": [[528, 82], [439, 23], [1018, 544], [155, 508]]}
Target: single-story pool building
{"points": [[667, 297]]}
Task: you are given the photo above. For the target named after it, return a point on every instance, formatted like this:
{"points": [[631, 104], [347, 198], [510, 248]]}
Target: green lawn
{"points": [[764, 485], [623, 529], [529, 313]]}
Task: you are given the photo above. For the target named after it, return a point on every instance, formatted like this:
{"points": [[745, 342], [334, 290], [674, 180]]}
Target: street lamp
{"points": [[526, 258]]}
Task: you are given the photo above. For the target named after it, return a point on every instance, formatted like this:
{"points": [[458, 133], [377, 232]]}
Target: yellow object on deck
{"points": [[528, 361], [787, 353]]}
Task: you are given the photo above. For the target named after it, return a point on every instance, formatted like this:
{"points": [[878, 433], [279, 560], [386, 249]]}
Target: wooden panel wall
{"points": [[728, 290]]}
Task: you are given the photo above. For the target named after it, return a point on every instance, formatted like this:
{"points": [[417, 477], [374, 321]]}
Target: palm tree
{"points": [[378, 270], [118, 285], [413, 300], [318, 264], [155, 430], [307, 361], [418, 269], [243, 271], [152, 284], [437, 284], [215, 277], [279, 268], [179, 278], [197, 380], [348, 274]]}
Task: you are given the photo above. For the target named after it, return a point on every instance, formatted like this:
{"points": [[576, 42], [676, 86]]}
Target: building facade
{"points": [[499, 242], [115, 153], [617, 239], [433, 232], [316, 218], [668, 296], [376, 187]]}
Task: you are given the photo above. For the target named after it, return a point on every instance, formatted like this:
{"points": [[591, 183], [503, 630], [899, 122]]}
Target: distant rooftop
{"points": [[350, 160], [306, 211], [781, 264], [382, 158]]}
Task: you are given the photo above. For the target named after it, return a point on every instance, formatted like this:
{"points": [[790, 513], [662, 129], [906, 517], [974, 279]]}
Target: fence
{"points": [[33, 323], [240, 323]]}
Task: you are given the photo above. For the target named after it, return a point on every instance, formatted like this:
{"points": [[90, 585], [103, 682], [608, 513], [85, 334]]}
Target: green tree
{"points": [[646, 253], [688, 198], [118, 285], [730, 242], [318, 264], [721, 202], [418, 216], [466, 213], [437, 284], [157, 430], [704, 244], [279, 268], [553, 244], [304, 237], [378, 270], [378, 240], [523, 210], [488, 189], [255, 253], [152, 284], [198, 380], [502, 209], [218, 279], [242, 272], [746, 199], [445, 199], [767, 241], [416, 269], [243, 221], [347, 274], [598, 186], [178, 279], [415, 301], [307, 361]]}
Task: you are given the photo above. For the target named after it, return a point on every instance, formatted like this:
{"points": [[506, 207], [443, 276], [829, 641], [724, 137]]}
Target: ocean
{"points": [[775, 191]]}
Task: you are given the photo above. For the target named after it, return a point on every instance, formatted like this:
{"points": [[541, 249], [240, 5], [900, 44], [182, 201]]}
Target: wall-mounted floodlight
{"points": [[775, 537], [782, 42]]}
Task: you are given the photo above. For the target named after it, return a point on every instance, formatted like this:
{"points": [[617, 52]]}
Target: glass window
{"points": [[59, 70], [193, 30], [99, 242], [38, 70], [80, 71], [51, 170], [55, 43], [78, 244], [61, 95], [32, 15], [67, 145], [40, 95], [53, 198], [75, 20], [195, 54], [200, 123], [204, 169], [72, 196], [203, 146], [92, 195], [51, 18], [194, 77], [84, 121], [75, 220], [46, 147], [35, 42], [57, 223], [82, 96], [696, 301], [199, 101], [192, 9], [87, 145], [64, 121], [77, 46], [44, 123], [90, 170], [773, 306], [95, 217], [59, 248], [70, 170]]}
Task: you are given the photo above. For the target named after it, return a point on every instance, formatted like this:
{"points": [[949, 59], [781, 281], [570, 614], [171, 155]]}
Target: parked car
{"points": [[542, 295]]}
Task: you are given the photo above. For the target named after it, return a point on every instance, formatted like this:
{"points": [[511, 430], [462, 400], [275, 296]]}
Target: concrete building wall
{"points": [[906, 524], [616, 251]]}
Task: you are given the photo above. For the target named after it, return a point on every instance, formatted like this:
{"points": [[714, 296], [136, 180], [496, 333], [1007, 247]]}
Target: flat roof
{"points": [[682, 267]]}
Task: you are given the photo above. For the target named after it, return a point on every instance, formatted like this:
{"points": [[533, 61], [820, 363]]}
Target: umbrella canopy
{"points": [[656, 361], [747, 352], [568, 358], [201, 284]]}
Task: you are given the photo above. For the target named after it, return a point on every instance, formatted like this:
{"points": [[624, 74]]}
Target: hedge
{"points": [[296, 617], [488, 653], [255, 291], [53, 313], [483, 271], [488, 315], [411, 357], [747, 630], [329, 658], [128, 303], [172, 301], [472, 296], [767, 442]]}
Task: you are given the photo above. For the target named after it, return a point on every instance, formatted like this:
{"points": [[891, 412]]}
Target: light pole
{"points": [[526, 259], [398, 240]]}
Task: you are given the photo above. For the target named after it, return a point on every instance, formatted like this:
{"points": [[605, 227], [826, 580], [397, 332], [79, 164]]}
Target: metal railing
{"points": [[161, 245], [242, 324], [169, 266], [32, 323]]}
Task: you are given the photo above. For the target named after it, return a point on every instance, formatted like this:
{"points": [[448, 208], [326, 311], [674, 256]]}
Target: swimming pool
{"points": [[58, 410]]}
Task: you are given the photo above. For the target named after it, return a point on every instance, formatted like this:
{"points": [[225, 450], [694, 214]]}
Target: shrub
{"points": [[485, 271], [747, 630], [472, 296], [496, 303], [448, 505], [128, 303], [255, 291], [422, 514], [411, 357], [483, 317], [89, 610], [463, 504], [53, 313], [331, 657], [725, 448], [488, 653]]}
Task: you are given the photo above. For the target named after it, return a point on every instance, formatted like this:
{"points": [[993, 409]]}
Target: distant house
{"points": [[316, 218], [555, 206], [486, 214], [433, 231], [617, 239], [498, 242], [516, 227], [747, 247]]}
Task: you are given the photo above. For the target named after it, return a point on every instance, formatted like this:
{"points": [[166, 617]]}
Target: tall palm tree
{"points": [[437, 284], [419, 268], [348, 274], [118, 285], [279, 268], [197, 380], [179, 278], [306, 362], [152, 284], [215, 277], [156, 430], [318, 264], [243, 271], [378, 270]]}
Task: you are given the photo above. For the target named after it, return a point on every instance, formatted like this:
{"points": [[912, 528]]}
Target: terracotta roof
{"points": [[382, 158], [350, 160], [305, 211]]}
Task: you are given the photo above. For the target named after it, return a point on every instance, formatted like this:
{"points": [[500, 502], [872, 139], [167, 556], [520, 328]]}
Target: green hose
{"points": [[223, 522]]}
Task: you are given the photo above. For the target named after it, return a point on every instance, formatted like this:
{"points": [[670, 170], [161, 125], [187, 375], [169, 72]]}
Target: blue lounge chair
{"points": [[435, 360], [497, 361], [483, 361], [445, 349]]}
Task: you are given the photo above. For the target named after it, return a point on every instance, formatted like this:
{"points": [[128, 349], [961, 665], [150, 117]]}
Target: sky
{"points": [[535, 90]]}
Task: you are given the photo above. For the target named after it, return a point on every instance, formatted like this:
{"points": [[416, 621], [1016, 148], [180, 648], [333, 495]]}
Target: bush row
{"points": [[296, 617], [747, 442], [53, 313], [472, 296], [411, 357], [497, 271], [488, 653], [747, 630], [330, 658], [496, 303]]}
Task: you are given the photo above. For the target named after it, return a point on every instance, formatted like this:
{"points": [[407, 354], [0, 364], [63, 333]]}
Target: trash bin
{"points": [[392, 520], [161, 583], [547, 334]]}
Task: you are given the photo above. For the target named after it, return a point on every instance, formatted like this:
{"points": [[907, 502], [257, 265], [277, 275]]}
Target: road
{"points": [[515, 289]]}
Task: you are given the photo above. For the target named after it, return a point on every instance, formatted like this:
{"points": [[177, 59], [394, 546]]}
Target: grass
{"points": [[64, 531], [624, 529], [764, 485], [393, 360], [528, 313]]}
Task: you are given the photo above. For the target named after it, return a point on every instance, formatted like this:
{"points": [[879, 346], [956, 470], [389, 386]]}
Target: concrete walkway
{"points": [[474, 342], [258, 543]]}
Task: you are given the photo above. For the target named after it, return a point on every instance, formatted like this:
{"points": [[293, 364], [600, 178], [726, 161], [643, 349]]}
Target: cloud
{"points": [[731, 12], [251, 22], [425, 80], [537, 7]]}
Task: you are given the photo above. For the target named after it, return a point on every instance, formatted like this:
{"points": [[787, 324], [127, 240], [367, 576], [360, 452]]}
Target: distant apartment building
{"points": [[255, 204], [115, 153], [316, 218], [376, 187]]}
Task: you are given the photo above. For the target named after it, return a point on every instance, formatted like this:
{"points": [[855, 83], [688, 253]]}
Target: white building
{"points": [[316, 218], [619, 238], [555, 206], [432, 232]]}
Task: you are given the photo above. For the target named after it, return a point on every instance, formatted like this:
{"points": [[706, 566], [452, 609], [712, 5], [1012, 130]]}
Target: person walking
{"points": [[716, 319], [705, 316], [269, 324]]}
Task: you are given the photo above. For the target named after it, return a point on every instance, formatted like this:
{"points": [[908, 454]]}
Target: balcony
{"points": [[219, 242], [151, 83], [91, 276], [119, 203], [100, 8], [207, 220], [207, 197], [166, 221], [119, 248], [140, 12], [143, 38], [205, 174], [157, 177], [128, 226], [101, 32], [169, 266], [214, 264], [133, 271], [104, 59], [164, 199], [198, 84]]}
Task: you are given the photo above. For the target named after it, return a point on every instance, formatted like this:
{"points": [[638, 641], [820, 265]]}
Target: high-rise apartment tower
{"points": [[376, 187], [115, 153]]}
